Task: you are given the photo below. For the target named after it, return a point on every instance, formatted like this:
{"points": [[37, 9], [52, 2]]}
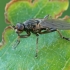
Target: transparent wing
{"points": [[56, 24]]}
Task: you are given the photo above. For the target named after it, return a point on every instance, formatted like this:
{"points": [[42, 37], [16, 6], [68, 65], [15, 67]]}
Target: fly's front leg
{"points": [[62, 36], [24, 36], [16, 43], [21, 36]]}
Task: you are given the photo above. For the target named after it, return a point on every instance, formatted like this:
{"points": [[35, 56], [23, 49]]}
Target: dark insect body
{"points": [[40, 26]]}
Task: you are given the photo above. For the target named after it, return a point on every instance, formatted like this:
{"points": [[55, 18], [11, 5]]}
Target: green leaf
{"points": [[53, 52]]}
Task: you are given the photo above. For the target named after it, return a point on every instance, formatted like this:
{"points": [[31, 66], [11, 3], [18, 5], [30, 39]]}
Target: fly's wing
{"points": [[55, 24]]}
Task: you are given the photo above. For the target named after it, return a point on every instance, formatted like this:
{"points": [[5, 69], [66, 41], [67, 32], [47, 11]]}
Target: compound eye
{"points": [[19, 27]]}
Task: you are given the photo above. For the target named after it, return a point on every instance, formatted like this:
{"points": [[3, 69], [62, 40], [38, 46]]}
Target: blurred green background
{"points": [[2, 19]]}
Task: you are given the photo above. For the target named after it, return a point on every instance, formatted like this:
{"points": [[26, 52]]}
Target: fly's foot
{"points": [[66, 38], [16, 44], [36, 55]]}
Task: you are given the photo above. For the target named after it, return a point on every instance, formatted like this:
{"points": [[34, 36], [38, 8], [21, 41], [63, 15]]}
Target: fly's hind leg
{"points": [[62, 36], [47, 30]]}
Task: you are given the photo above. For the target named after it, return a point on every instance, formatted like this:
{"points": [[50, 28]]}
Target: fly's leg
{"points": [[16, 43], [36, 47], [47, 30], [62, 36], [47, 17], [40, 32], [24, 36], [37, 35], [21, 36], [28, 34], [52, 30]]}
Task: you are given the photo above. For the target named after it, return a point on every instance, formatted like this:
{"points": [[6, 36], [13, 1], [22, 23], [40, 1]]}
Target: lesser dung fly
{"points": [[40, 26]]}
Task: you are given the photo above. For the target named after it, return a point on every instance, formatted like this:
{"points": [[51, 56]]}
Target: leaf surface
{"points": [[53, 52]]}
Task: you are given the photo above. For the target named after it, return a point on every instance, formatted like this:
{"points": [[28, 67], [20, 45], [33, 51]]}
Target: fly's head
{"points": [[18, 28]]}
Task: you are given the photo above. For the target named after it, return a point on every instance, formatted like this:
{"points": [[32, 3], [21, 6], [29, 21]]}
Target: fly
{"points": [[40, 26]]}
